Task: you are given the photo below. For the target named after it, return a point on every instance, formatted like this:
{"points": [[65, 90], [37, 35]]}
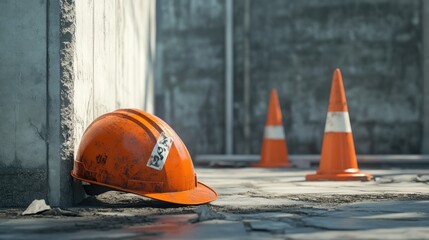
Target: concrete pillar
{"points": [[23, 102], [60, 118], [64, 62]]}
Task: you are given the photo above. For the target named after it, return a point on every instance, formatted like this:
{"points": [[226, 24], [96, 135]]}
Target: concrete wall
{"points": [[190, 71], [23, 101], [63, 63], [293, 46]]}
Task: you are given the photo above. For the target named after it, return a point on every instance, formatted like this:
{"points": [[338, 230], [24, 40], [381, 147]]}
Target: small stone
{"points": [[37, 206], [422, 178], [60, 212], [205, 213]]}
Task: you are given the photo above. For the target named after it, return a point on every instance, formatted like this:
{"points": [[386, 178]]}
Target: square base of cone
{"points": [[339, 177], [282, 165]]}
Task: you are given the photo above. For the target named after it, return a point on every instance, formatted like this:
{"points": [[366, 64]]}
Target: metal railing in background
{"points": [[229, 78], [307, 161]]}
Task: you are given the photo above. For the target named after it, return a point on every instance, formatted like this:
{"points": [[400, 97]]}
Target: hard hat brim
{"points": [[199, 195]]}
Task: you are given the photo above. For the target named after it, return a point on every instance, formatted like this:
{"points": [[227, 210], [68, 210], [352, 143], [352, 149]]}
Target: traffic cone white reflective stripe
{"points": [[338, 122], [274, 132]]}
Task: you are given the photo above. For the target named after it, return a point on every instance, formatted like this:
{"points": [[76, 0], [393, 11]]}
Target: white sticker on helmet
{"points": [[160, 152]]}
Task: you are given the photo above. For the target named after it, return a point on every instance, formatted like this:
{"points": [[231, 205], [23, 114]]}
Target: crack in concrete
{"points": [[41, 133]]}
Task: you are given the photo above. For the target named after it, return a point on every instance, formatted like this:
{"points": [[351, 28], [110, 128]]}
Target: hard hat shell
{"points": [[133, 151]]}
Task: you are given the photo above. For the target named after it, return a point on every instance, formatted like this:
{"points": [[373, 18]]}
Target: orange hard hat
{"points": [[133, 151]]}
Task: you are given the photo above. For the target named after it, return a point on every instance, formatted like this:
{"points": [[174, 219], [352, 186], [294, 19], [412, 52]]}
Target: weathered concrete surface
{"points": [[190, 75], [295, 47], [23, 100], [253, 204], [36, 41]]}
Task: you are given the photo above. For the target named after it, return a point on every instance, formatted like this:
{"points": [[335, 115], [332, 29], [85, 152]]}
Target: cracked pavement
{"points": [[253, 203]]}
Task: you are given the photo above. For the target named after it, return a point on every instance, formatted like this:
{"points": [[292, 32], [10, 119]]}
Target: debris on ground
{"points": [[205, 213], [37, 206], [419, 178], [60, 212], [254, 204], [422, 178], [384, 180]]}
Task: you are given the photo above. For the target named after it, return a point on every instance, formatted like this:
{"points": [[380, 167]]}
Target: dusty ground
{"points": [[253, 203]]}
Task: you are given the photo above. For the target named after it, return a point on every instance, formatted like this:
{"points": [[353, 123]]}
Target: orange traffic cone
{"points": [[274, 150], [338, 161]]}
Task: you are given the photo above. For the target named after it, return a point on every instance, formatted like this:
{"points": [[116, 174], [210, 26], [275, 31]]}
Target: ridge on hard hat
{"points": [[133, 151]]}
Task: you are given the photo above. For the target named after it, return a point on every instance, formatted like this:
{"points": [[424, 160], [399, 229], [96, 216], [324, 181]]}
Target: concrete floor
{"points": [[253, 204]]}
